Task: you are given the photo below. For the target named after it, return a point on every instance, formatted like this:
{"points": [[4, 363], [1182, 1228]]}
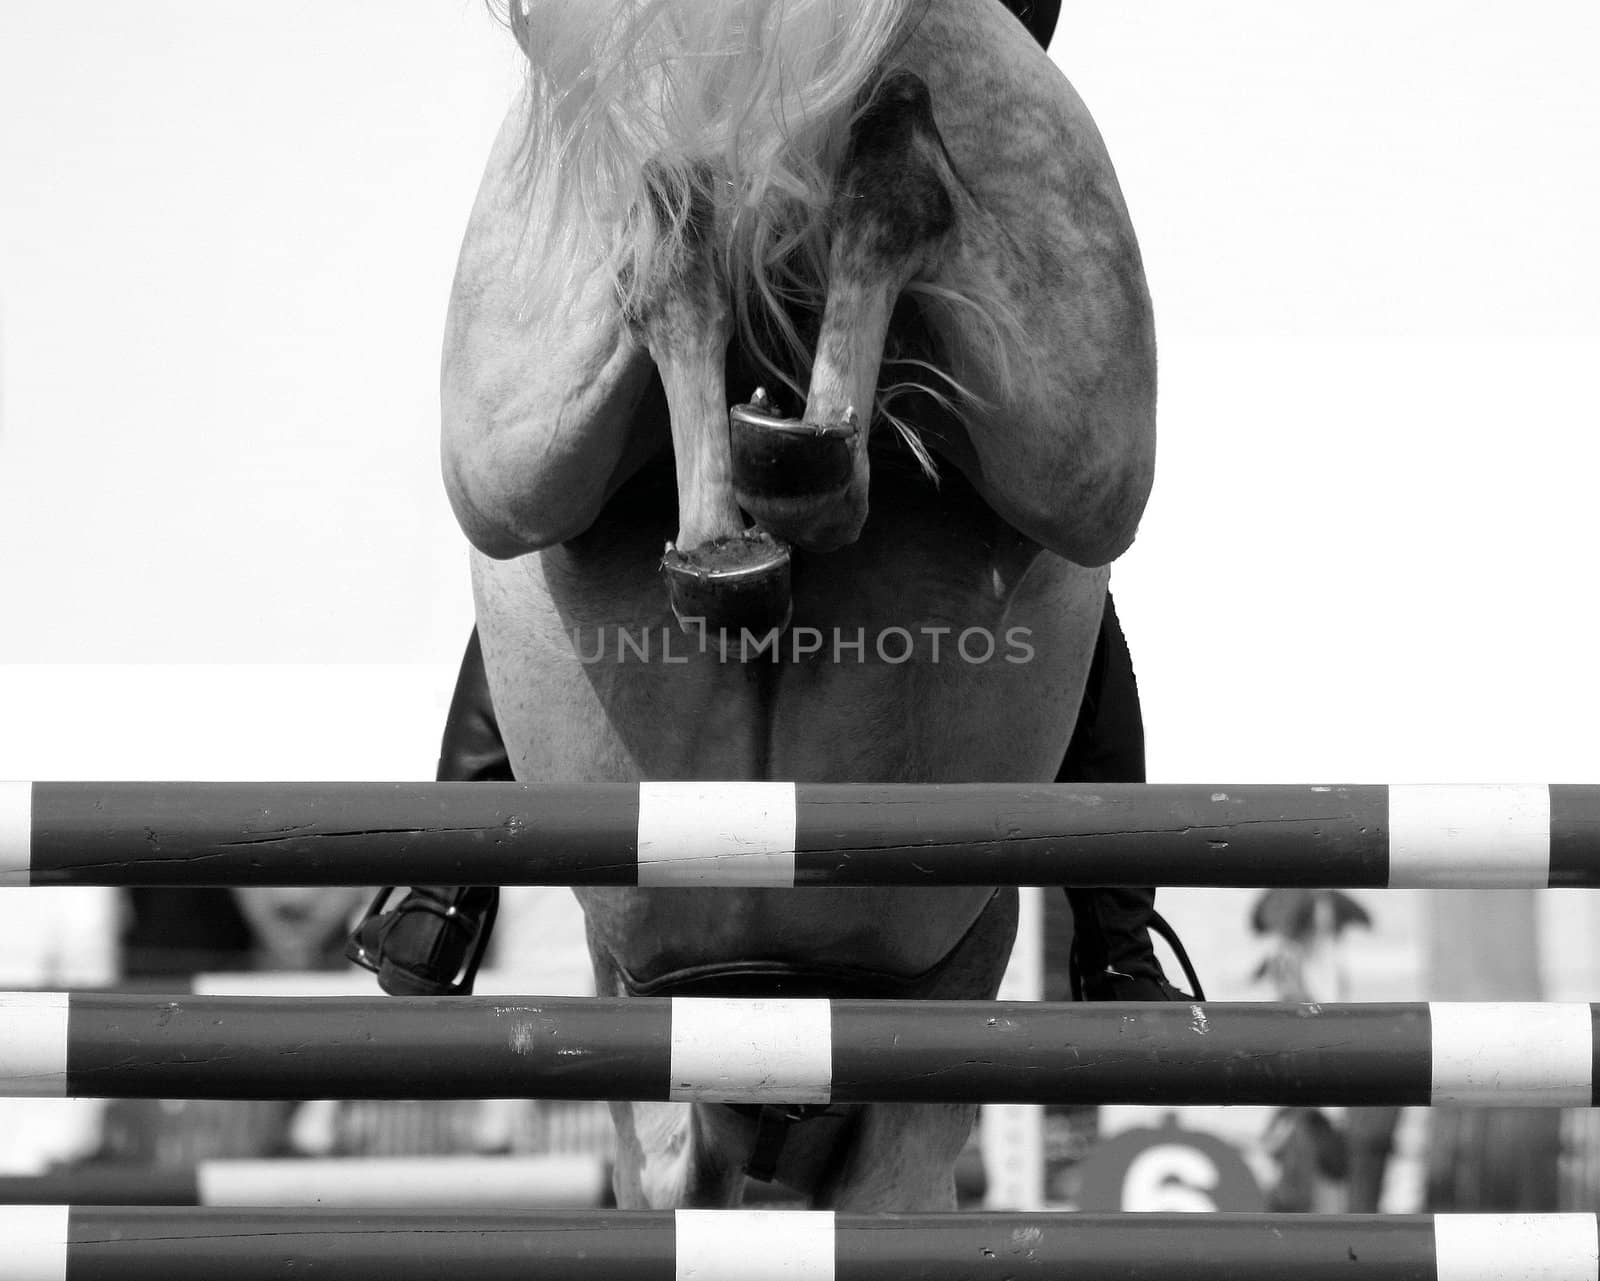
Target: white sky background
{"points": [[1370, 234], [226, 237], [226, 240]]}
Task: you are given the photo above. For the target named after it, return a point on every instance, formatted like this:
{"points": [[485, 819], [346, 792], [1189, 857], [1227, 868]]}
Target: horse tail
{"points": [[651, 119], [653, 122]]}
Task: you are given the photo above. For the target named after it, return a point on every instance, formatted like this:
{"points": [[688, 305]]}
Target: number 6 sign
{"points": [[1167, 1169]]}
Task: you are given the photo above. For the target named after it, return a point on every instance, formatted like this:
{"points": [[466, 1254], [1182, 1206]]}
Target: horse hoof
{"points": [[730, 586], [786, 468]]}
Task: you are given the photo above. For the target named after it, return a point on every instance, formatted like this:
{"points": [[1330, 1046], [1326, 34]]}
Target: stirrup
{"points": [[1114, 985], [430, 943]]}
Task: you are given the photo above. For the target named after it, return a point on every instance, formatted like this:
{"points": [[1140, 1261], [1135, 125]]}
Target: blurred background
{"points": [[226, 242]]}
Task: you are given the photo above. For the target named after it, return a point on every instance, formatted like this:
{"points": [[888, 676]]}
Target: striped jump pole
{"points": [[54, 1243], [796, 1051], [786, 834]]}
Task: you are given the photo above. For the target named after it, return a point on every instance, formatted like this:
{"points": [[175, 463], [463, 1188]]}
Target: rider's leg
{"points": [[1112, 954], [471, 749], [432, 941]]}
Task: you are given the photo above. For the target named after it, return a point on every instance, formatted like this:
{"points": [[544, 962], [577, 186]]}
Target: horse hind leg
{"points": [[891, 213], [668, 1159], [802, 482], [719, 575]]}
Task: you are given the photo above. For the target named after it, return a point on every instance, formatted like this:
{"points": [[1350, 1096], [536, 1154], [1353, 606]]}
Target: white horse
{"points": [[897, 216]]}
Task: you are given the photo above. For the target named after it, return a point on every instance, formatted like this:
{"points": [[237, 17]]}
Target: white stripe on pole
{"points": [[16, 833], [1509, 1054], [1516, 1247], [1464, 836], [752, 1051], [33, 1044], [1011, 1135], [716, 833], [755, 1245], [35, 1242]]}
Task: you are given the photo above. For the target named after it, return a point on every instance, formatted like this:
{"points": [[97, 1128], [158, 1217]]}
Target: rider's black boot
{"points": [[1112, 958], [432, 941]]}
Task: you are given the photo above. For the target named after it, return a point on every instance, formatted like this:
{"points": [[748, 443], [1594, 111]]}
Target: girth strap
{"points": [[802, 979]]}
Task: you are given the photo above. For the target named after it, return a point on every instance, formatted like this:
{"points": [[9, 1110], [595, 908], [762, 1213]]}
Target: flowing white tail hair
{"points": [[652, 120]]}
